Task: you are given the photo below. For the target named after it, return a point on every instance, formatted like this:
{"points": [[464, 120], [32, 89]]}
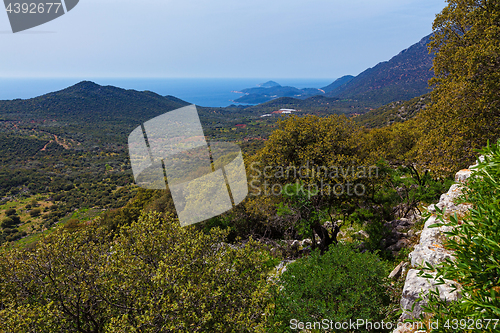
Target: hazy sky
{"points": [[216, 38]]}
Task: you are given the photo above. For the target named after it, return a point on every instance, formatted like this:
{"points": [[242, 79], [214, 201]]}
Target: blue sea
{"points": [[203, 92]]}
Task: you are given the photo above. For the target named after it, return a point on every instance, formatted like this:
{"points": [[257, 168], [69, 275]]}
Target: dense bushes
{"points": [[35, 212], [154, 277], [342, 284]]}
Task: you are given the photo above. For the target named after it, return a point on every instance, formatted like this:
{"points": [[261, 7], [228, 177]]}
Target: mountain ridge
{"points": [[403, 77], [337, 83]]}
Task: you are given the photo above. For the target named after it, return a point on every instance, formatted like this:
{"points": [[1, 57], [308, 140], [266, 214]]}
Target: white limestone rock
{"points": [[430, 249], [447, 199], [306, 242], [281, 268], [360, 235], [463, 175], [415, 285]]}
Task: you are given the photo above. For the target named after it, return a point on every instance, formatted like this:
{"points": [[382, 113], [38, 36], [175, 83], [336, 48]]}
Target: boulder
{"points": [[446, 200], [364, 234], [398, 271], [361, 235], [306, 242], [401, 228], [395, 236], [404, 222], [463, 175], [399, 245], [416, 285], [430, 249], [281, 268]]}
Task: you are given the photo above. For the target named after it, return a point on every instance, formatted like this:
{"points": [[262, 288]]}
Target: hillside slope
{"points": [[337, 83], [87, 101], [87, 111], [403, 77], [399, 111]]}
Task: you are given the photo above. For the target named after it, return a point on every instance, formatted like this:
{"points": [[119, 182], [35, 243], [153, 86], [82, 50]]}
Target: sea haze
{"points": [[204, 92]]}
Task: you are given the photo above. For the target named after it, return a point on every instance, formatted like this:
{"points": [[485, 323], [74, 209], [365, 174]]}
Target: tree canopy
{"points": [[153, 277], [465, 112]]}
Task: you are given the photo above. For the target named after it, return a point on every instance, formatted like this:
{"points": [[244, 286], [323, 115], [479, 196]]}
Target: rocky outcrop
{"points": [[431, 250], [416, 285], [281, 268], [399, 234]]}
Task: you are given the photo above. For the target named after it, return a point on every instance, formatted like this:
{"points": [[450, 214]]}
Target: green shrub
{"points": [[10, 211], [73, 225], [7, 223], [341, 285], [35, 212], [10, 221], [476, 243], [15, 236]]}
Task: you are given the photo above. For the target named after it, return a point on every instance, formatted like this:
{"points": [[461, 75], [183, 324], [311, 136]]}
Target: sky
{"points": [[216, 38]]}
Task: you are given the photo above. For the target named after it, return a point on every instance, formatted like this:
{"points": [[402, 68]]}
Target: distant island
{"points": [[270, 90], [269, 84]]}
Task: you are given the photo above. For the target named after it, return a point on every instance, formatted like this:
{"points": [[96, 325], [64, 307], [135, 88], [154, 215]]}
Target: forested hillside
{"points": [[399, 112]]}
